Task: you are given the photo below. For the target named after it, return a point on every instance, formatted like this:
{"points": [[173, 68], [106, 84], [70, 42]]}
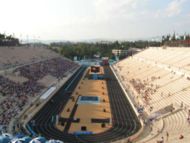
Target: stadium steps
{"points": [[176, 124], [151, 132]]}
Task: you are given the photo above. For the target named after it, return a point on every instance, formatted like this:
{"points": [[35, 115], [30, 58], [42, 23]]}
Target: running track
{"points": [[124, 120]]}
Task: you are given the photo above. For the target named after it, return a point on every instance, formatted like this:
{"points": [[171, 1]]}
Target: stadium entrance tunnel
{"points": [[124, 120]]}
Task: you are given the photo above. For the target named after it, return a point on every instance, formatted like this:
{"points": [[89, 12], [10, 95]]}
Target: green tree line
{"points": [[103, 49]]}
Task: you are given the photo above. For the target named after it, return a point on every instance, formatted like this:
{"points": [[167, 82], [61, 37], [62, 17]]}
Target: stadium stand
{"points": [[158, 80], [34, 66], [15, 56]]}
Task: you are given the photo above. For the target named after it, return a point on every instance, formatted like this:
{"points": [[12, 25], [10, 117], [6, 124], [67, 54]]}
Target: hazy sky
{"points": [[93, 19]]}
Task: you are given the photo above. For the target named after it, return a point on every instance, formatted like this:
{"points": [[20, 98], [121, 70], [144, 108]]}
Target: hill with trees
{"points": [[8, 40]]}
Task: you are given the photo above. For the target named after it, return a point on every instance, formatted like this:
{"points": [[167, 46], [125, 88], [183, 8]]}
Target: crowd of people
{"points": [[16, 95], [144, 89], [55, 67]]}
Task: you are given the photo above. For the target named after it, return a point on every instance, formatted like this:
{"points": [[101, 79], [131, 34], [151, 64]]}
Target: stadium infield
{"points": [[90, 111]]}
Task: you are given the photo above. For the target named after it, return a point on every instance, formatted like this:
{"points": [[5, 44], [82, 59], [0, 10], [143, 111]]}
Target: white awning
{"points": [[48, 93]]}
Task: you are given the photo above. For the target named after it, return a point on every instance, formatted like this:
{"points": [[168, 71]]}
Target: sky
{"points": [[77, 20]]}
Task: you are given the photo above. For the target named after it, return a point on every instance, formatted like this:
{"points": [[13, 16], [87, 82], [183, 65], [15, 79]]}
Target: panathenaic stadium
{"points": [[47, 98]]}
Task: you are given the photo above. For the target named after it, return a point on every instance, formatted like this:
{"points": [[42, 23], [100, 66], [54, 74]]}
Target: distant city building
{"points": [[118, 52]]}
